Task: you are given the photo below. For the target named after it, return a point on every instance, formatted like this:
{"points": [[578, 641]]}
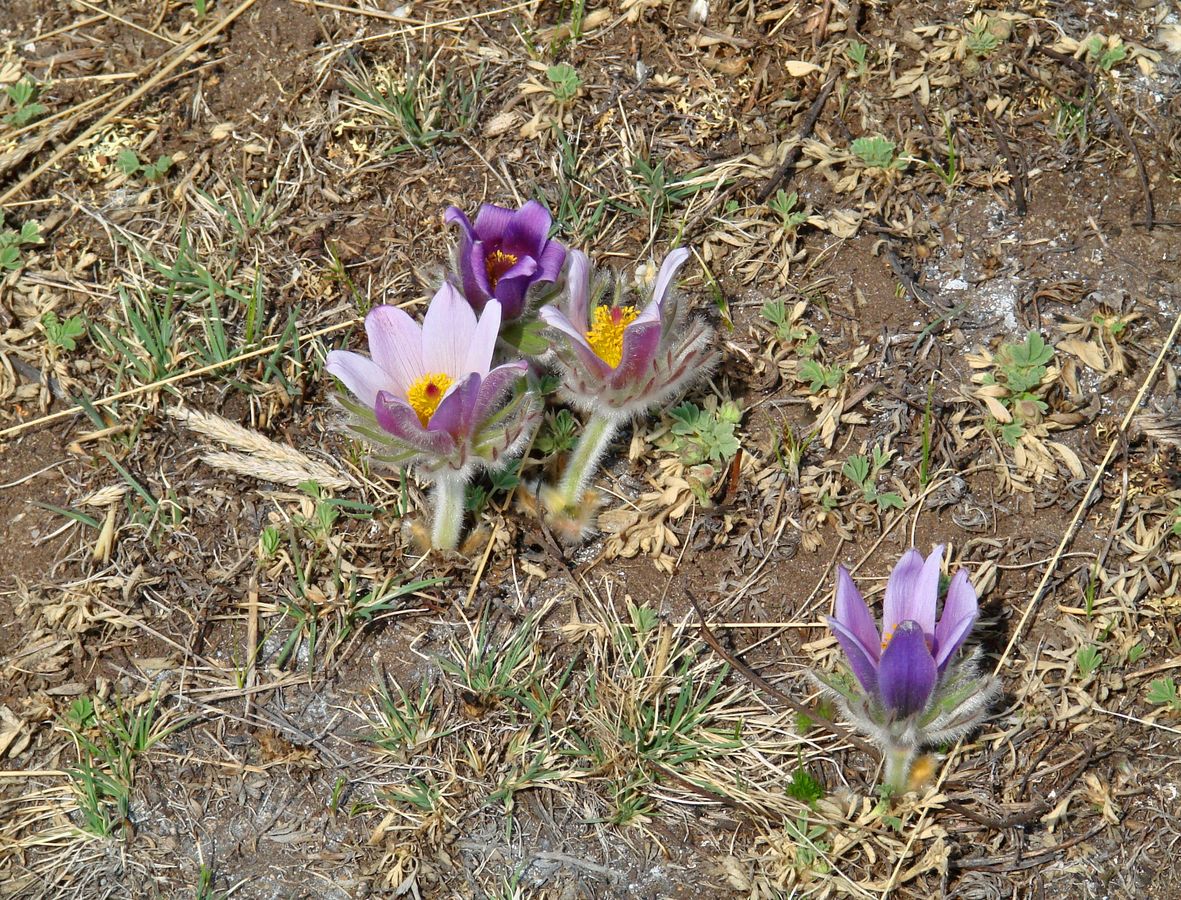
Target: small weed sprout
{"points": [[1106, 53], [1163, 692], [564, 83], [706, 434], [863, 472], [785, 206], [980, 39], [876, 152], [12, 241], [128, 162], [787, 322], [23, 95], [1088, 660], [820, 378], [558, 433], [1010, 388], [858, 54], [403, 721], [63, 334]]}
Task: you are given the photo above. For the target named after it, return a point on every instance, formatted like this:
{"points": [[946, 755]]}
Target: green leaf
{"points": [[127, 161], [1163, 691], [856, 469], [876, 152], [1011, 433]]}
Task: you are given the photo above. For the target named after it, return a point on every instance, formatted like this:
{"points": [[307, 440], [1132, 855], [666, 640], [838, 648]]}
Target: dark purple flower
{"points": [[902, 663], [504, 254]]}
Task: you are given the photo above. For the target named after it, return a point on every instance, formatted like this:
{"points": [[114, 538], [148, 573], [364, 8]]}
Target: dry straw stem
{"points": [[1067, 537], [173, 379], [182, 57], [257, 455]]}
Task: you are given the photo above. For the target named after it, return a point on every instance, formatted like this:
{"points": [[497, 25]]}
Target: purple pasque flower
{"points": [[504, 253], [901, 665], [618, 359], [429, 393]]}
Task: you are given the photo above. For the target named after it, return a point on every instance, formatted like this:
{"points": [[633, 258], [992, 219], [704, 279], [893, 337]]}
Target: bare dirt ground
{"points": [[940, 244]]}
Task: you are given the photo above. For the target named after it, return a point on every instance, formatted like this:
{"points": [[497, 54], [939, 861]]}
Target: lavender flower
{"points": [[430, 396], [617, 361], [504, 254], [911, 692]]}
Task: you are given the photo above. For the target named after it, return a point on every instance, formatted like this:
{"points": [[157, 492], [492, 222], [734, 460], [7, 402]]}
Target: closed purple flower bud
{"points": [[504, 254]]}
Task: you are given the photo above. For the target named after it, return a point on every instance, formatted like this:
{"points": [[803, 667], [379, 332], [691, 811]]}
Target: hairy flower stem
{"points": [[449, 490], [898, 760], [596, 435]]}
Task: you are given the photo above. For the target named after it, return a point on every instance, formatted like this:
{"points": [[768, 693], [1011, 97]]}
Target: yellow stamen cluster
{"points": [[426, 393], [496, 264], [888, 636], [606, 333]]}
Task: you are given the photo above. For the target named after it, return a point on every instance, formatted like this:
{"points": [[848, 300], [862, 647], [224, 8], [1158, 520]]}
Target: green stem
{"points": [[898, 760], [449, 490], [596, 435]]}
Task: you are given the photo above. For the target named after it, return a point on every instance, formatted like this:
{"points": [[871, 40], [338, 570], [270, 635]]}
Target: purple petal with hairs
{"points": [[575, 339], [640, 345], [907, 671], [549, 264], [454, 413], [528, 229], [578, 290], [483, 345], [864, 666], [402, 422], [447, 331], [667, 273], [395, 343], [851, 611], [493, 388], [361, 375], [492, 222], [959, 615]]}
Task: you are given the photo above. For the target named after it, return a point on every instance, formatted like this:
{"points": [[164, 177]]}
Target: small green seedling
{"points": [[1088, 660], [785, 320], [876, 152], [23, 95], [981, 40], [558, 433], [11, 243], [702, 435], [785, 206], [863, 472], [63, 334], [1106, 57], [858, 54], [128, 163], [1163, 692], [820, 377], [1020, 368], [564, 82]]}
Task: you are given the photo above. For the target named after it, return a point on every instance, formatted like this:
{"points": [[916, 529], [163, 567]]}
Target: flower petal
{"points": [[907, 671], [578, 290], [401, 421], [454, 413], [864, 667], [361, 375], [555, 318], [493, 388], [483, 345], [959, 615], [455, 215], [668, 271], [395, 340], [527, 231], [492, 223], [641, 340], [852, 612], [447, 331], [912, 591], [550, 262]]}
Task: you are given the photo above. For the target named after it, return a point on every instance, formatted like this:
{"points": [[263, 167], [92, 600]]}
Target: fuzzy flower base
{"points": [[571, 523]]}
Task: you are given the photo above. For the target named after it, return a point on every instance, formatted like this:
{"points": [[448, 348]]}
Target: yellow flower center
{"points": [[887, 637], [496, 264], [606, 333], [426, 393]]}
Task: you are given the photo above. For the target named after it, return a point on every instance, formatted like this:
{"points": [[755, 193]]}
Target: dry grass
{"points": [[227, 670]]}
